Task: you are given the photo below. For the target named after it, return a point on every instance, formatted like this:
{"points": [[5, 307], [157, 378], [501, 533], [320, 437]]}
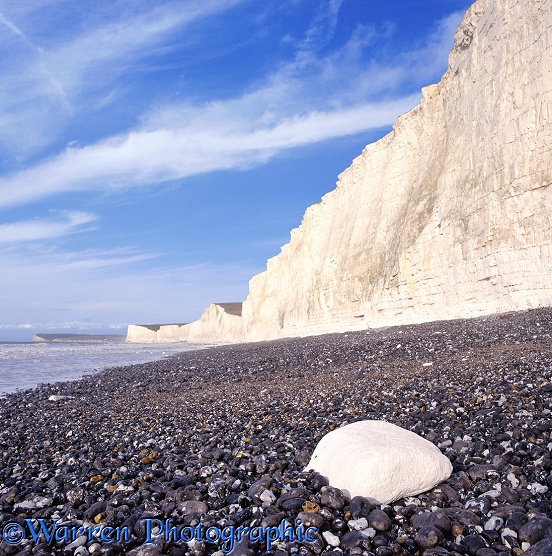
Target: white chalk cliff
{"points": [[219, 323], [447, 216]]}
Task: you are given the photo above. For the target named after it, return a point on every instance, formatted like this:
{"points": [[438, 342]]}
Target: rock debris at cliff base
{"points": [[220, 437]]}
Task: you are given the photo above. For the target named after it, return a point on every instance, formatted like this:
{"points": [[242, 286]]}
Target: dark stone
{"points": [[258, 487], [192, 507], [490, 536], [339, 525], [241, 548], [486, 552], [516, 521], [450, 493], [473, 543], [332, 497], [464, 517], [535, 530], [273, 520], [311, 519], [189, 493], [351, 539], [239, 517], [542, 548], [316, 546], [95, 509], [437, 519], [458, 547], [218, 454], [302, 458], [8, 549], [56, 482], [292, 504], [245, 501], [379, 540], [360, 507], [319, 481], [483, 471], [299, 492], [379, 520], [409, 544], [437, 551], [510, 495], [429, 537], [327, 514]]}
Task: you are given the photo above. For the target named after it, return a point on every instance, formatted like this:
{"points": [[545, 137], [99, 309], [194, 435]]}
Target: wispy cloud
{"points": [[118, 45], [40, 229], [67, 325], [43, 86], [307, 100], [322, 28], [204, 145], [13, 28]]}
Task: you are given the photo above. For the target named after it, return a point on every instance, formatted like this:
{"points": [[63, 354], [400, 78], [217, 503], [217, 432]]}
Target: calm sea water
{"points": [[24, 365]]}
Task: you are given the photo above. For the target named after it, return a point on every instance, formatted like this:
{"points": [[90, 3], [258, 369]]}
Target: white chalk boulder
{"points": [[380, 461]]}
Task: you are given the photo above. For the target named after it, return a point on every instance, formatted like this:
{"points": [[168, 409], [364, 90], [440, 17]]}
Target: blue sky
{"points": [[154, 154]]}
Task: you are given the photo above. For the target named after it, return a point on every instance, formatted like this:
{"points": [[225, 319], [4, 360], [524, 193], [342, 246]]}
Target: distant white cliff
{"points": [[449, 215], [219, 323]]}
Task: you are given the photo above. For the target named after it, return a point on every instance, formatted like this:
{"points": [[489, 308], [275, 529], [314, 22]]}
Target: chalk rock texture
{"points": [[448, 216], [379, 461], [143, 333], [219, 323]]}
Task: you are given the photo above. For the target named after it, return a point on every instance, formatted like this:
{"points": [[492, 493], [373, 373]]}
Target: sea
{"points": [[27, 364]]}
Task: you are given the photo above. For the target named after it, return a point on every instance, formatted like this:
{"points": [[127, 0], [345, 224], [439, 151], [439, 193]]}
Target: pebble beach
{"points": [[220, 437]]}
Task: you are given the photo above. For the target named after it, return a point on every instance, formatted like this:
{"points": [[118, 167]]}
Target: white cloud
{"points": [[40, 229], [215, 139], [43, 86], [307, 100], [117, 45], [20, 326], [13, 28], [323, 27], [70, 325]]}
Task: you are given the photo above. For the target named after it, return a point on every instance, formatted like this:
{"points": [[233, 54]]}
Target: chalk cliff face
{"points": [[449, 215], [143, 333], [219, 323]]}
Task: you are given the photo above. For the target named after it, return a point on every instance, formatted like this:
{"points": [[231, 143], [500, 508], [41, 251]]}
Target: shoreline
{"points": [[189, 438], [25, 365]]}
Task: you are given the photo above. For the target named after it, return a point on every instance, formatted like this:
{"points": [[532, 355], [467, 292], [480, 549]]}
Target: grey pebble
{"points": [[535, 530], [379, 520], [429, 537]]}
